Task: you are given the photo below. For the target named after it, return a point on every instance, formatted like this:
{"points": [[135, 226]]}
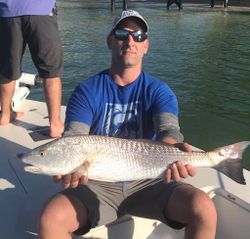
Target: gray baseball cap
{"points": [[133, 14]]}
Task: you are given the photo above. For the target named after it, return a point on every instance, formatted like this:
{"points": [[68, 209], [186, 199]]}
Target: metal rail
{"points": [[125, 5]]}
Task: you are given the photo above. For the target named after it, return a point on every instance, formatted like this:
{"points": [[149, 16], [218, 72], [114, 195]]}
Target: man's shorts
{"points": [[41, 34], [105, 202]]}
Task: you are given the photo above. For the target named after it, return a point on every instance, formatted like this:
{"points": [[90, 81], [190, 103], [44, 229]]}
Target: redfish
{"points": [[114, 159]]}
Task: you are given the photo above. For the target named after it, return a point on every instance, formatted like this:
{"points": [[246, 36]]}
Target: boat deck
{"points": [[22, 195]]}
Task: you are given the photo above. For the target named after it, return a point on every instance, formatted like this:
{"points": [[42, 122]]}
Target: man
{"points": [[125, 101], [31, 23]]}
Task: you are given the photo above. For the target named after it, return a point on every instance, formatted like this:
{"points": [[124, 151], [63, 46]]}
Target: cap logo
{"points": [[129, 13]]}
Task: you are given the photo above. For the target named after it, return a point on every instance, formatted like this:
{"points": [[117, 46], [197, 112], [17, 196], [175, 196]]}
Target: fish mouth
{"points": [[32, 169]]}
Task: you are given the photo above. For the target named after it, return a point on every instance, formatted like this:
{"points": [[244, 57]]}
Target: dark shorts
{"points": [[105, 202], [41, 35]]}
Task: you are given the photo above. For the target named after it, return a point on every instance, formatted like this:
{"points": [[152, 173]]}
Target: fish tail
{"points": [[232, 165]]}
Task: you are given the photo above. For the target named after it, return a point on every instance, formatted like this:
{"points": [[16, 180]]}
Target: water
{"points": [[202, 53]]}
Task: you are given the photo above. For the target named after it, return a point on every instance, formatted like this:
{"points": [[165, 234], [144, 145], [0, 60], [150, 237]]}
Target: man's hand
{"points": [[178, 170], [71, 180]]}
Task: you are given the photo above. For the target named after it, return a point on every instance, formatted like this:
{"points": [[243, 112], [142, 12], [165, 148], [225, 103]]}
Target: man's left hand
{"points": [[178, 170]]}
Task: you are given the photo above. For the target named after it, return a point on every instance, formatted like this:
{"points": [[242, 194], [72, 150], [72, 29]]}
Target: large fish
{"points": [[113, 159]]}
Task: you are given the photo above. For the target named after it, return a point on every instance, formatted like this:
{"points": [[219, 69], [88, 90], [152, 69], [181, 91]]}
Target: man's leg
{"points": [[80, 209], [6, 94], [212, 3], [53, 95], [61, 217], [193, 208], [179, 4], [47, 54], [169, 3], [12, 46]]}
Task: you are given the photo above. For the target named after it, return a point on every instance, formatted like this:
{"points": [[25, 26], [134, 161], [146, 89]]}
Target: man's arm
{"points": [[168, 131], [76, 128], [167, 127]]}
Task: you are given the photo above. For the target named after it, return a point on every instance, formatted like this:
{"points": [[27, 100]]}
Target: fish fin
{"points": [[90, 162], [232, 166], [102, 179], [233, 169]]}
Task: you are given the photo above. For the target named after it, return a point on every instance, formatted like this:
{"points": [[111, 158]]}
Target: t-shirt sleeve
{"points": [[79, 108], [165, 114], [165, 101]]}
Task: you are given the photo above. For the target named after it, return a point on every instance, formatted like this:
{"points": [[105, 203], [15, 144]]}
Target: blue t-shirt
{"points": [[15, 8], [121, 111]]}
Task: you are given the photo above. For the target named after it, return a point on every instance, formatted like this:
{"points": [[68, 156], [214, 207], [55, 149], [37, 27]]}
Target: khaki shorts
{"points": [[105, 202], [41, 35]]}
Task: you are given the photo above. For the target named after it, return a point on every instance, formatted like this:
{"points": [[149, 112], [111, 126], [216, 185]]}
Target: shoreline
{"points": [[238, 3]]}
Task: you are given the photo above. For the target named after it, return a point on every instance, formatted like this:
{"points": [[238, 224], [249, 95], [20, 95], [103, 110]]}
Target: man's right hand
{"points": [[71, 180]]}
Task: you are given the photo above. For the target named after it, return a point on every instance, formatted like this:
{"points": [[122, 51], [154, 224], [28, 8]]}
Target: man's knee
{"points": [[52, 214], [203, 207], [188, 204], [62, 213]]}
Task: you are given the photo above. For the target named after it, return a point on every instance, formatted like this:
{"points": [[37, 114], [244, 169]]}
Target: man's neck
{"points": [[125, 76]]}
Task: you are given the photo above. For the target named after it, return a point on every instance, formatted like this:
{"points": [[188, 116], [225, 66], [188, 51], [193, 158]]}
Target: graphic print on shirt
{"points": [[123, 120]]}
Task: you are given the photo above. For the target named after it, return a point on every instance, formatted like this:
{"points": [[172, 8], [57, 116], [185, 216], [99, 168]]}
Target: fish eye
{"points": [[42, 153]]}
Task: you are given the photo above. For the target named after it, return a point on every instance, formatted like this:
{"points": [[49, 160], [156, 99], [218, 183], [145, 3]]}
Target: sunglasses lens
{"points": [[139, 36], [122, 35]]}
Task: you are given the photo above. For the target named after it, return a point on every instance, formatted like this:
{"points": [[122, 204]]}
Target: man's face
{"points": [[127, 53]]}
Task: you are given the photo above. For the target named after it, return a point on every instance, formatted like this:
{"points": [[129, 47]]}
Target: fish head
{"points": [[38, 161], [54, 158]]}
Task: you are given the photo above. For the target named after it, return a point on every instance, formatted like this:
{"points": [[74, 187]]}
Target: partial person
{"points": [[177, 2], [125, 101], [31, 23]]}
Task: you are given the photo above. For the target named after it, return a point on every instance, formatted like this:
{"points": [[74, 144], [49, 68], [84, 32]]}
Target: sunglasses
{"points": [[122, 35]]}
